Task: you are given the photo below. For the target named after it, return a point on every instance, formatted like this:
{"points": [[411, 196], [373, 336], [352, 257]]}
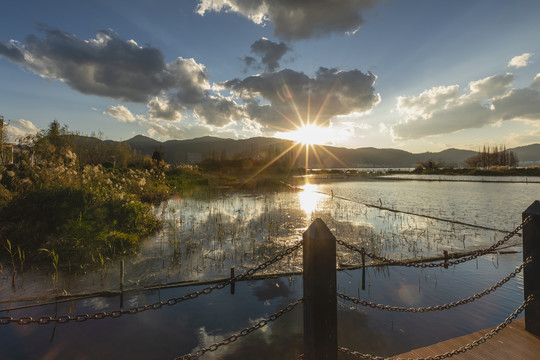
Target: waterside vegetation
{"points": [[86, 200]]}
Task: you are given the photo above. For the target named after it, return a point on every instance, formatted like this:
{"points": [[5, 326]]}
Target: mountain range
{"points": [[194, 150]]}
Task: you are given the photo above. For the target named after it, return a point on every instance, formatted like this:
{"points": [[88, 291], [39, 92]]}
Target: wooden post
{"points": [[121, 283], [121, 275], [363, 270], [232, 281], [531, 273], [320, 301]]}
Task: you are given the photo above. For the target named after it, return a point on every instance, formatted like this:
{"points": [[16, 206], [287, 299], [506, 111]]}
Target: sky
{"points": [[417, 75]]}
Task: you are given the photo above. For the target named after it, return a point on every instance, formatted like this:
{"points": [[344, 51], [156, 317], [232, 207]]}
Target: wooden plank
{"points": [[511, 343]]}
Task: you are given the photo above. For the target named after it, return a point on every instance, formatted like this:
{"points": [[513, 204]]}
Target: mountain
{"points": [[529, 154], [194, 150]]}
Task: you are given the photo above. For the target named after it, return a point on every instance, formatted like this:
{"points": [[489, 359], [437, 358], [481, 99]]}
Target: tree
{"points": [[496, 156], [54, 143], [2, 135], [157, 156]]}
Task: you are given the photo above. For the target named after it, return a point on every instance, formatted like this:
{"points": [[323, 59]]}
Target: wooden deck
{"points": [[511, 343]]}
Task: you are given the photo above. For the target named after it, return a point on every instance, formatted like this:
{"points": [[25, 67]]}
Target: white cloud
{"points": [[536, 82], [490, 86], [441, 110], [520, 60], [120, 113], [20, 128], [428, 101]]}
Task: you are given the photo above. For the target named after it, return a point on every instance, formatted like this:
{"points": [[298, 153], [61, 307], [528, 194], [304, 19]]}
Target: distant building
{"points": [[194, 158]]}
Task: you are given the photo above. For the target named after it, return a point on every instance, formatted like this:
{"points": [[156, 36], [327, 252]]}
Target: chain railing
{"points": [[26, 320], [461, 350], [242, 333], [437, 307], [446, 263]]}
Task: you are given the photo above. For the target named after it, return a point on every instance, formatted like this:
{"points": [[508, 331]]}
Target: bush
{"points": [[78, 224]]}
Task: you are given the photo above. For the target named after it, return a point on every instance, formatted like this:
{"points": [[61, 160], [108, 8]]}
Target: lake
{"points": [[205, 236]]}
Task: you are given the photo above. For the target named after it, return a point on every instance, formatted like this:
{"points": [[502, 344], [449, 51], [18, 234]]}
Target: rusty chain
{"points": [[25, 320], [438, 307], [448, 354], [441, 264], [242, 333]]}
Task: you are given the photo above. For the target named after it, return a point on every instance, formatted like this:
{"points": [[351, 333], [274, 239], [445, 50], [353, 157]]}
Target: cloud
{"points": [[106, 65], [536, 82], [284, 100], [490, 86], [443, 110], [520, 60], [167, 130], [19, 128], [520, 104], [11, 51], [300, 19], [180, 90], [270, 53], [250, 62], [111, 67], [120, 113]]}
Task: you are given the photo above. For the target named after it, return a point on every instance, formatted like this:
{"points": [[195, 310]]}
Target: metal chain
{"points": [[242, 333], [441, 264], [438, 307], [461, 350], [25, 320]]}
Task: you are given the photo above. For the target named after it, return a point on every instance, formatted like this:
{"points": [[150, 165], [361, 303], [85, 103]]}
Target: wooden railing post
{"points": [[320, 302], [531, 273]]}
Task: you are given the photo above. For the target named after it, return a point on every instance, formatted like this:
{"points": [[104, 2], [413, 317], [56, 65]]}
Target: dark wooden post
{"points": [[121, 283], [531, 273], [363, 270], [232, 281], [320, 301]]}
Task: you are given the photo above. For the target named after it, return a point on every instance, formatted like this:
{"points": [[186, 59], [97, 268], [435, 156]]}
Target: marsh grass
{"points": [[203, 237]]}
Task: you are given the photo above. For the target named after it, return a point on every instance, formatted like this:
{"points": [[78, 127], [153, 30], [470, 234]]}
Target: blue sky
{"points": [[415, 75]]}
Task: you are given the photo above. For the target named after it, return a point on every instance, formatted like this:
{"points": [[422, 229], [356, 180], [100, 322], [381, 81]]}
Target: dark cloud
{"points": [[11, 52], [522, 104], [106, 65], [270, 53], [219, 111], [299, 19], [111, 67], [250, 62], [284, 99]]}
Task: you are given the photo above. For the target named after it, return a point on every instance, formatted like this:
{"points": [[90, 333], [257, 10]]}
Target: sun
{"points": [[309, 134]]}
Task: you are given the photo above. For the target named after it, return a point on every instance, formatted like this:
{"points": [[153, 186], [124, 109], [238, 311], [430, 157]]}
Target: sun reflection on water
{"points": [[309, 198]]}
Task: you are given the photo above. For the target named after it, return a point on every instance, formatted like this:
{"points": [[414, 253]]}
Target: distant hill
{"points": [[529, 154], [193, 150]]}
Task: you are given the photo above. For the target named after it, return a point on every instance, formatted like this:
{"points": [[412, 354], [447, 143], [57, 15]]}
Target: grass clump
{"points": [[78, 223]]}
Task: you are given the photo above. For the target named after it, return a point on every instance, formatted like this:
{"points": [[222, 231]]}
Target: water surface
{"points": [[203, 238]]}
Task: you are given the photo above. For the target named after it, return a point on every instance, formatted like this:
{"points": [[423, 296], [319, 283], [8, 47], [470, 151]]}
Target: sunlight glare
{"points": [[309, 198], [309, 134]]}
